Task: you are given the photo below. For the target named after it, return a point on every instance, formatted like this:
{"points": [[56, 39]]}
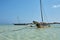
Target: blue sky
{"points": [[25, 11]]}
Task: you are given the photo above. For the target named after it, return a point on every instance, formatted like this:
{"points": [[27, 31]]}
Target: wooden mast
{"points": [[41, 11]]}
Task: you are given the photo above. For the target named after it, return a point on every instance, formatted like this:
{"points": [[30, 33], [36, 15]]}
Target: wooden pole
{"points": [[41, 10]]}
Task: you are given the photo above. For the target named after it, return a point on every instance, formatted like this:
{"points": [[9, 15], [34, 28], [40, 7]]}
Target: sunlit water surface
{"points": [[25, 32]]}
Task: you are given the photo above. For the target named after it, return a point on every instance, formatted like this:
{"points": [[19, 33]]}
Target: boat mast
{"points": [[18, 19], [41, 10]]}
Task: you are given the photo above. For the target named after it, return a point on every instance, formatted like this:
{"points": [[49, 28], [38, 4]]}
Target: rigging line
{"points": [[45, 16]]}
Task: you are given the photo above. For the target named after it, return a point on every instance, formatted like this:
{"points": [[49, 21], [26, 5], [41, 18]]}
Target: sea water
{"points": [[25, 32]]}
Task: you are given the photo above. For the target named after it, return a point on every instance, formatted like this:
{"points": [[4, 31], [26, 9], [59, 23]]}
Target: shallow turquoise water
{"points": [[24, 32]]}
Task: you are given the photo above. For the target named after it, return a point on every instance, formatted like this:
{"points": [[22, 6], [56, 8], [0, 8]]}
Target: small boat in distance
{"points": [[22, 23], [19, 22]]}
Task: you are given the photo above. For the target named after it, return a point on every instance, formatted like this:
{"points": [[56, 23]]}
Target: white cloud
{"points": [[56, 6]]}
